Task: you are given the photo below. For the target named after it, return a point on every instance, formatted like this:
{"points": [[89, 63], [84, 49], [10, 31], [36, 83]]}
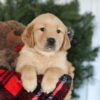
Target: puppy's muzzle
{"points": [[51, 42]]}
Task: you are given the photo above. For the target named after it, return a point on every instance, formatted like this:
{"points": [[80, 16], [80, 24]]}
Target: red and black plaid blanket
{"points": [[11, 88]]}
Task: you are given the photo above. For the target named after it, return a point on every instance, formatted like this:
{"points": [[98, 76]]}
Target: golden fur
{"points": [[35, 58]]}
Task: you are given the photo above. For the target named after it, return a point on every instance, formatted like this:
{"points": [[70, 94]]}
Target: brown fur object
{"points": [[10, 37]]}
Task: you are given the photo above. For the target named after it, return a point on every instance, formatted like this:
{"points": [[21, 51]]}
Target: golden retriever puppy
{"points": [[44, 52]]}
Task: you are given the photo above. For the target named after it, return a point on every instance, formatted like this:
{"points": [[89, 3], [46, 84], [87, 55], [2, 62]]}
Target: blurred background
{"points": [[83, 16]]}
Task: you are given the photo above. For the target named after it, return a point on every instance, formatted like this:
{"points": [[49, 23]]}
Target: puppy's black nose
{"points": [[51, 41]]}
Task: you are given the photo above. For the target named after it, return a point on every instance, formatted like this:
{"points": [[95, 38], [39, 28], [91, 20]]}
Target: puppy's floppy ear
{"points": [[28, 36], [66, 43]]}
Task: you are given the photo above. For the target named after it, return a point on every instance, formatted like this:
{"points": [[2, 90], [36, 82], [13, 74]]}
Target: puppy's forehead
{"points": [[48, 19]]}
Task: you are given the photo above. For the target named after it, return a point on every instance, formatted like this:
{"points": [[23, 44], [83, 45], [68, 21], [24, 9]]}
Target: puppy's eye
{"points": [[58, 31], [42, 29]]}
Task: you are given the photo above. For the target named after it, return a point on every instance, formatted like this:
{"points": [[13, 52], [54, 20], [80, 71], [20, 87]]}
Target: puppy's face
{"points": [[46, 33]]}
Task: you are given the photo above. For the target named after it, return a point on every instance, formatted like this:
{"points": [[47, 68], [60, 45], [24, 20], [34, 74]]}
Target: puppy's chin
{"points": [[45, 51], [49, 49]]}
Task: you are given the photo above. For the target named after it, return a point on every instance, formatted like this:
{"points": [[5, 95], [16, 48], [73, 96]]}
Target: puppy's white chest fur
{"points": [[42, 62]]}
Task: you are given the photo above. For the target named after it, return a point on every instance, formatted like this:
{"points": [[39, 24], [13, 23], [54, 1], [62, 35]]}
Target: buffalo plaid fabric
{"points": [[11, 88]]}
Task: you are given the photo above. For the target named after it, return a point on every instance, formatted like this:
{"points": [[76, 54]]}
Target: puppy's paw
{"points": [[29, 82], [49, 84]]}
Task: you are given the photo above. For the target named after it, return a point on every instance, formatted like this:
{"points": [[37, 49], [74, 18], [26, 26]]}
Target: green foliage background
{"points": [[26, 10]]}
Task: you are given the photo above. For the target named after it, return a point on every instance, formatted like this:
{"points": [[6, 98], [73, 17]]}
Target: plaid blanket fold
{"points": [[11, 88]]}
